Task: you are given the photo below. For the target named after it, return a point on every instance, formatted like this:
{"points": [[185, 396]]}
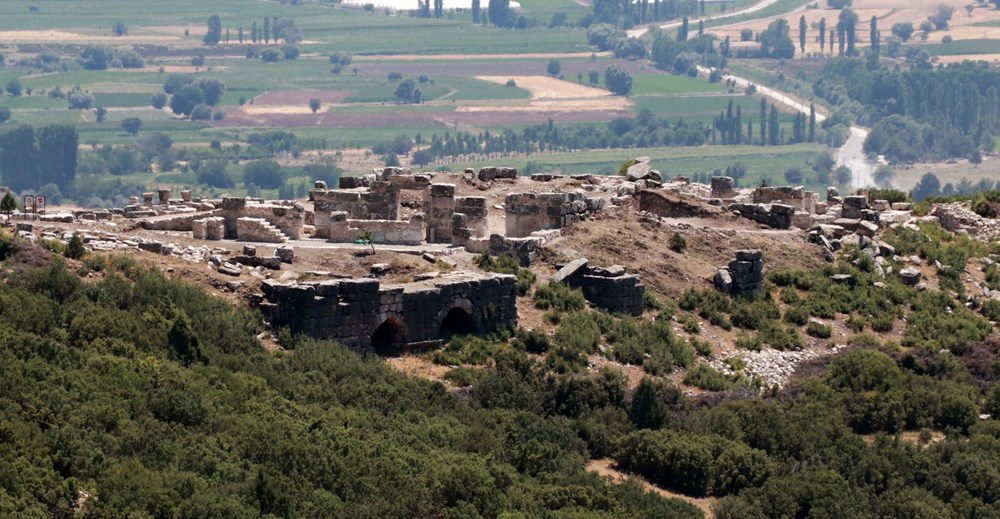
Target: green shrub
{"points": [[819, 330], [677, 243], [780, 337], [690, 324], [991, 310], [559, 297], [54, 246], [702, 347], [789, 296], [532, 341], [752, 315], [797, 315], [748, 341], [708, 378], [508, 265]]}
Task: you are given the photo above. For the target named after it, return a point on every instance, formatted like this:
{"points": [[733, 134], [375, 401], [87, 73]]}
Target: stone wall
{"points": [[796, 197], [474, 208], [609, 288], [778, 216], [672, 205], [524, 250], [439, 206], [530, 212], [380, 202], [213, 228], [493, 173], [395, 232], [362, 313], [743, 276], [723, 187]]}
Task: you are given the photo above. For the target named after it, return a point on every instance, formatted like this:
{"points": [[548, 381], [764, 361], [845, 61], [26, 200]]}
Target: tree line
{"points": [[921, 113]]}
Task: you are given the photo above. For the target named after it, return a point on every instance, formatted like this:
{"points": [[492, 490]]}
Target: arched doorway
{"points": [[387, 339], [457, 321]]}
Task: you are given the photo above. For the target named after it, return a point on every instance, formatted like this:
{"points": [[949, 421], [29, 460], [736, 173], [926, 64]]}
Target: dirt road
{"points": [[851, 154], [635, 33]]}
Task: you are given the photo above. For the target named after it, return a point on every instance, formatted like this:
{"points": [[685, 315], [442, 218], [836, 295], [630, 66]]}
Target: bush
{"points": [[559, 297], [75, 250], [818, 330], [532, 341], [201, 112], [677, 243], [708, 378], [507, 265]]}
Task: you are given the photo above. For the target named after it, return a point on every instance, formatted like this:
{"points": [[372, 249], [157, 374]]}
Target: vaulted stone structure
{"points": [[387, 318]]}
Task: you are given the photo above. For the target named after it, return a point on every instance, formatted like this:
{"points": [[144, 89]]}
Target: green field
{"points": [[672, 84], [963, 47]]}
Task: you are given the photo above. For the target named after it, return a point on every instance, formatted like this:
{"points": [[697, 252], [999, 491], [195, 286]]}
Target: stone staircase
{"points": [[258, 230]]}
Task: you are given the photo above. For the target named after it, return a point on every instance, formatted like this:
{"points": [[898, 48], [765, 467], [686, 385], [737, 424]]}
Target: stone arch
{"points": [[388, 338], [458, 319]]}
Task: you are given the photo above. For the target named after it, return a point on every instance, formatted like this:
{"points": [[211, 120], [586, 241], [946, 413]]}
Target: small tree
{"points": [[14, 87], [131, 125], [158, 100], [8, 204], [5, 114], [101, 113], [618, 80], [214, 33], [75, 248], [677, 243], [365, 237], [594, 77], [553, 67], [119, 29], [314, 105]]}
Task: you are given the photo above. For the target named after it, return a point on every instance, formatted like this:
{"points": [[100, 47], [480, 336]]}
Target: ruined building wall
{"points": [[352, 311], [439, 206], [399, 232], [530, 212]]}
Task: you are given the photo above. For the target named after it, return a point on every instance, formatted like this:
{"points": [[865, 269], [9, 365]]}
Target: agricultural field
{"points": [[345, 106]]}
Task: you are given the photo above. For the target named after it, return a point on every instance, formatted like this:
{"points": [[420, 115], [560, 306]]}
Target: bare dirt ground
{"points": [[549, 93], [947, 172], [292, 102], [607, 468], [65, 37]]}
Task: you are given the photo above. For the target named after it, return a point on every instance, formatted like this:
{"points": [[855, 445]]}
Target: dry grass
{"points": [[552, 94]]}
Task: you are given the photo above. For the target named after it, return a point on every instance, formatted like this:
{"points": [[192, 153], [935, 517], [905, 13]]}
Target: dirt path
{"points": [[607, 468], [851, 154]]}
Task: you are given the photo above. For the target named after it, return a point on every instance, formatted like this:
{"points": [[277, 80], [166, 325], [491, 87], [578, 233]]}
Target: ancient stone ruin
{"points": [[610, 288], [743, 276], [366, 314]]}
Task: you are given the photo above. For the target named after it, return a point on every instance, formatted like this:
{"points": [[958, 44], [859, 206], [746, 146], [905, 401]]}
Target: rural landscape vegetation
{"points": [[131, 386]]}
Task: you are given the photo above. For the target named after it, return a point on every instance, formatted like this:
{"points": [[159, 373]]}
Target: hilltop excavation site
{"points": [[390, 261]]}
